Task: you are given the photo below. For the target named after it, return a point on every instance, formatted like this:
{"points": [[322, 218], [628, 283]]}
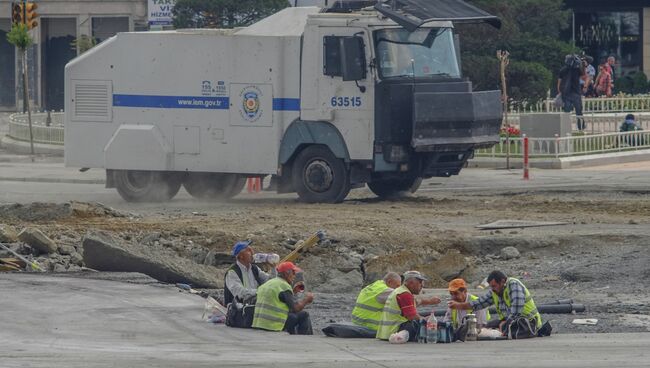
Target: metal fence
{"points": [[636, 103], [599, 123], [571, 145], [52, 134]]}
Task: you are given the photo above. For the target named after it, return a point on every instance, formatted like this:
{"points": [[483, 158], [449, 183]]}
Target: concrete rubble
{"points": [[37, 240], [103, 252], [8, 234]]}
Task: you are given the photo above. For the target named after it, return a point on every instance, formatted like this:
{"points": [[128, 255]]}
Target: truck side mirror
{"points": [[353, 58]]}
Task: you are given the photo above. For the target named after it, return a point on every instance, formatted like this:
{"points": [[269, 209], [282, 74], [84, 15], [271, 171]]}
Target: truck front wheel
{"points": [[213, 186], [318, 176], [146, 186], [391, 188]]}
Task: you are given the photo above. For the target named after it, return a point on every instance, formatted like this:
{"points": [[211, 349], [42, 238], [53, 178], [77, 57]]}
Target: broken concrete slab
{"points": [[37, 240], [510, 224], [104, 253], [8, 234]]}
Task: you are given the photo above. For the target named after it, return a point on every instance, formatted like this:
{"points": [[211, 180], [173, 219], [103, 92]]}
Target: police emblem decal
{"points": [[250, 107]]}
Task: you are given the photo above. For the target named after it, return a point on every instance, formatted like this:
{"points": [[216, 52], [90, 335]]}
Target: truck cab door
{"points": [[332, 92]]}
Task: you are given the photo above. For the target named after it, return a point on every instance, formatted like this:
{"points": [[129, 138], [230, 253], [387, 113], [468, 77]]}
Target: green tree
{"points": [[19, 37], [530, 32], [223, 13]]}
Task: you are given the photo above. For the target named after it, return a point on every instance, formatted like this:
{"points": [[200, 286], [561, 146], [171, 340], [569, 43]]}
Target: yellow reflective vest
{"points": [[391, 315], [367, 310], [454, 314], [530, 309], [270, 312]]}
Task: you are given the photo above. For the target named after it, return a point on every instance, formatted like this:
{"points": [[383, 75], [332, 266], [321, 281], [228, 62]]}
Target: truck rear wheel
{"points": [[318, 176], [146, 186], [213, 186], [392, 188]]}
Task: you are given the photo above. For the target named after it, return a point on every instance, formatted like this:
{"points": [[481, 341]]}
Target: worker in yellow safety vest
{"points": [[458, 291], [399, 312], [511, 299], [277, 308], [370, 302]]}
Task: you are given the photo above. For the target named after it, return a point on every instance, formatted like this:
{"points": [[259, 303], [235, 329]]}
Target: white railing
{"points": [[52, 134], [599, 123], [571, 145], [621, 103]]}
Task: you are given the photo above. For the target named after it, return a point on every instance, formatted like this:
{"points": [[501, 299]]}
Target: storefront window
{"points": [[603, 34]]}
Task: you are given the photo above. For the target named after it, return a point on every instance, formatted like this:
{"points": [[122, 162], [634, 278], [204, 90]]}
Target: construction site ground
{"points": [[599, 258], [62, 322]]}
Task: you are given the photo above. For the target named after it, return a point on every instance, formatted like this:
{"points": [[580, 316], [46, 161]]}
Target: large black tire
{"points": [[146, 186], [318, 176], [394, 188], [213, 186], [238, 185]]}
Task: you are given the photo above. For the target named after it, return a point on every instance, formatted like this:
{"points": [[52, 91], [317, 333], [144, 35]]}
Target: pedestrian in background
{"points": [[590, 73], [568, 85], [604, 82], [611, 62]]}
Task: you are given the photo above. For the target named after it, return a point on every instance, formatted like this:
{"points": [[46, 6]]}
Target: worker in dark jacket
{"points": [[243, 277], [630, 125]]}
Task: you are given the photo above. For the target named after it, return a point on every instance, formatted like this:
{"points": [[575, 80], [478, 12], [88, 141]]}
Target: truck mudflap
{"points": [[455, 121]]}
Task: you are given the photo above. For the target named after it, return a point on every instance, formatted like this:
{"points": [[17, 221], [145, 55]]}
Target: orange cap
{"points": [[456, 284], [287, 266]]}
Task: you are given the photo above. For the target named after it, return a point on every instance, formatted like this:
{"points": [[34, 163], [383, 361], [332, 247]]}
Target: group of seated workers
{"points": [[386, 306]]}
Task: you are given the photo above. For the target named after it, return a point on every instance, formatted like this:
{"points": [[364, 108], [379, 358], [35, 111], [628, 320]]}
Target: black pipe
{"points": [[553, 308]]}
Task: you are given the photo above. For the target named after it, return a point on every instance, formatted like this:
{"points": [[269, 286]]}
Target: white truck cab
{"points": [[323, 101]]}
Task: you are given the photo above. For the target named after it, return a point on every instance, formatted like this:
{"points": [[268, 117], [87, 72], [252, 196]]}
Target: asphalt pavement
{"points": [[58, 321]]}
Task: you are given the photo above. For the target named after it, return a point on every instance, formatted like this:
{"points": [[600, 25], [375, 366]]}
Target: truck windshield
{"points": [[426, 52]]}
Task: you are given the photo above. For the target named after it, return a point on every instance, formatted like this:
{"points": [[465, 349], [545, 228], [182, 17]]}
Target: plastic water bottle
{"points": [[432, 329], [422, 334], [271, 258]]}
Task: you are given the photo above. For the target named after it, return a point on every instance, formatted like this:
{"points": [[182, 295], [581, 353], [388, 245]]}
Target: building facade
{"points": [[619, 28], [61, 24]]}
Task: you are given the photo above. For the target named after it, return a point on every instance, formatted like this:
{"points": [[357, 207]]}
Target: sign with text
{"points": [[160, 12]]}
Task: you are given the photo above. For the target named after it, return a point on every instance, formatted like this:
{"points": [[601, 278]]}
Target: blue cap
{"points": [[239, 246]]}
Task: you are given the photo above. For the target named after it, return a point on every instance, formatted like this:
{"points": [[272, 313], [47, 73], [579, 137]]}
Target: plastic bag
{"points": [[557, 102], [400, 337], [212, 309]]}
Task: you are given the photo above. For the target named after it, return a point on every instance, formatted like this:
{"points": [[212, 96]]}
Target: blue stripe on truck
{"points": [[193, 102], [171, 102], [286, 104]]}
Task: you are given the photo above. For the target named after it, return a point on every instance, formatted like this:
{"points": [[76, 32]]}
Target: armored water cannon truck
{"points": [[323, 100]]}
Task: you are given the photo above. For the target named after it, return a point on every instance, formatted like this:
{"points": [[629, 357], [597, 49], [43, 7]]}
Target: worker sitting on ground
{"points": [[241, 282], [513, 303], [370, 302], [399, 312], [458, 291], [243, 277], [277, 307]]}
